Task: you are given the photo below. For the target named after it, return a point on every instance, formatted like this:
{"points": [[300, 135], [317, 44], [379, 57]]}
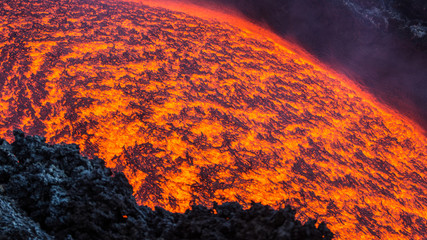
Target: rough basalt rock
{"points": [[232, 222], [67, 194], [14, 224], [52, 192]]}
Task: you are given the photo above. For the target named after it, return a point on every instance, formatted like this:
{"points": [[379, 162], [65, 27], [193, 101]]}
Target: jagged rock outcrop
{"points": [[14, 224], [52, 192], [67, 194], [232, 222]]}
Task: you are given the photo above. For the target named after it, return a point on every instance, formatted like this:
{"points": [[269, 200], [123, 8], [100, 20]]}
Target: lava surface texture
{"points": [[194, 110]]}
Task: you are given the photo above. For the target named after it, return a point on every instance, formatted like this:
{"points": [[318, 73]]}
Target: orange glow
{"points": [[195, 110]]}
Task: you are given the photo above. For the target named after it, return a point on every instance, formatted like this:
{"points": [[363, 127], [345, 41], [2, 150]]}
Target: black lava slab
{"points": [[52, 192]]}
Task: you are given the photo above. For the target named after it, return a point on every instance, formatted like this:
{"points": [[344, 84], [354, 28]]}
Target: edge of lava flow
{"points": [[290, 131], [210, 11]]}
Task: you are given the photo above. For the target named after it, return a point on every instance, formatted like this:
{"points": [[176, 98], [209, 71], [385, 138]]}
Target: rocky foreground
{"points": [[52, 192]]}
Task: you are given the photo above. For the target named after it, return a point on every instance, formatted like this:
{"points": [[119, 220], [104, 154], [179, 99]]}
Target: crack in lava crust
{"points": [[195, 111]]}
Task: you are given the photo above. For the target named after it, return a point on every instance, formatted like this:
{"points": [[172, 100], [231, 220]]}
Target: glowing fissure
{"points": [[195, 111]]}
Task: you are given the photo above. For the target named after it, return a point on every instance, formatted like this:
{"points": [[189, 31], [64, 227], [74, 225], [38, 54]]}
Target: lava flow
{"points": [[195, 110]]}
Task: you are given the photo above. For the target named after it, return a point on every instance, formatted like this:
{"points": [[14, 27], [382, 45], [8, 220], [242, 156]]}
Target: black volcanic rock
{"points": [[67, 194], [52, 192], [232, 222], [14, 224]]}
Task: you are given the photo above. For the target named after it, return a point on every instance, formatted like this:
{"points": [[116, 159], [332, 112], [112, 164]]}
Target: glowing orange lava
{"points": [[195, 110]]}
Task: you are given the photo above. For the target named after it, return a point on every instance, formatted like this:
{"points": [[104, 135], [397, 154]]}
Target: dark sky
{"points": [[382, 44]]}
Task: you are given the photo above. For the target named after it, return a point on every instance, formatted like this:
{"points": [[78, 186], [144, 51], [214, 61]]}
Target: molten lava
{"points": [[194, 110]]}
